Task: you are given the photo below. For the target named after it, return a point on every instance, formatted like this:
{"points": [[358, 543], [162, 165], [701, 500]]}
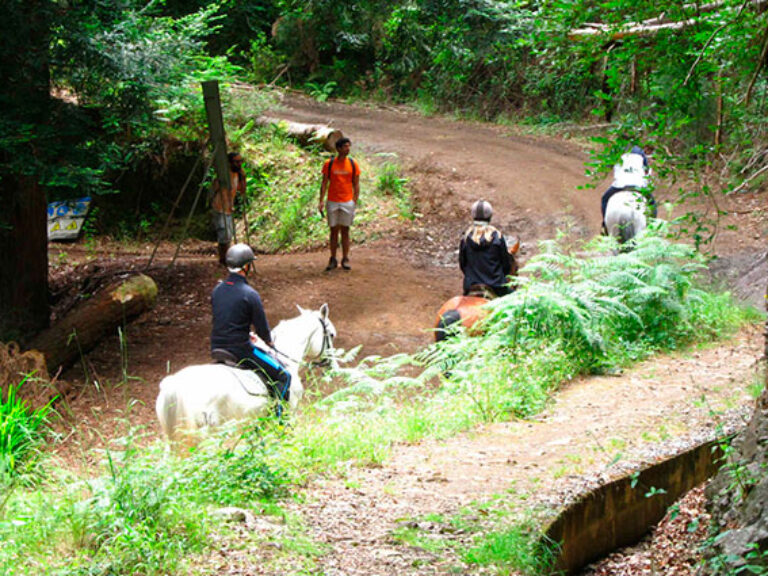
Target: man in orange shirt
{"points": [[341, 180]]}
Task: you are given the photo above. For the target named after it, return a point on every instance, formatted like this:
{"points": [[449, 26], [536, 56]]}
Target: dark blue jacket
{"points": [[237, 307], [485, 262]]}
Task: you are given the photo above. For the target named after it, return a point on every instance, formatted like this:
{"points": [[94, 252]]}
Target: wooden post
{"points": [[216, 128]]}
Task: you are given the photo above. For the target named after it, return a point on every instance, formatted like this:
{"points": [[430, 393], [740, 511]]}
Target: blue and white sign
{"points": [[66, 218]]}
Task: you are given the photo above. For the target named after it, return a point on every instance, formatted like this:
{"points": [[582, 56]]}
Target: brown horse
{"points": [[469, 309]]}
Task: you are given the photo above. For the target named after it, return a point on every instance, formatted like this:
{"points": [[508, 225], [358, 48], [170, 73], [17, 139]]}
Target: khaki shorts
{"points": [[340, 213], [224, 225]]}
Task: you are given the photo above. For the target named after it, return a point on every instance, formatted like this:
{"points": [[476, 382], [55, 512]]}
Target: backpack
{"points": [[354, 167]]}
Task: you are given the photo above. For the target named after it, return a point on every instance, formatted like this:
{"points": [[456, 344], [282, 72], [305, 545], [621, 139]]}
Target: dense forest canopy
{"points": [[93, 89], [123, 73]]}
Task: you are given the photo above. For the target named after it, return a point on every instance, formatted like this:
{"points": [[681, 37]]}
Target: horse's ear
{"points": [[515, 247], [324, 311], [301, 310]]}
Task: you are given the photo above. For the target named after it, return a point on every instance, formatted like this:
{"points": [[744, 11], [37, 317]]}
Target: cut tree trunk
{"points": [[84, 327], [307, 134]]}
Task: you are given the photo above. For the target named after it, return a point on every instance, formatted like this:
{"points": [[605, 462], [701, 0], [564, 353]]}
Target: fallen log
{"points": [[306, 134], [84, 327], [652, 26]]}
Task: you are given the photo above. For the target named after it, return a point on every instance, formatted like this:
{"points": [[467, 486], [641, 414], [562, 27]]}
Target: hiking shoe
{"points": [[345, 264], [332, 263]]}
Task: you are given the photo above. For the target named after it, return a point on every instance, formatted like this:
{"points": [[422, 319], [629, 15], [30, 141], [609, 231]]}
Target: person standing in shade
{"points": [[223, 205], [341, 182]]}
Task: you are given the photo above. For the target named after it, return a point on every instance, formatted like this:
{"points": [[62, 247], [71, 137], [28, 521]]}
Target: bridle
{"points": [[327, 344]]}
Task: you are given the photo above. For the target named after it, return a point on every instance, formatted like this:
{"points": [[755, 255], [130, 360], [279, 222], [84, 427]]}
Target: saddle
{"points": [[481, 291], [220, 356]]}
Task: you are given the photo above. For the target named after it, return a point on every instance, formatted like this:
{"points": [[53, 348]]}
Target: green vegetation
{"points": [[103, 98], [571, 315], [495, 58], [146, 514], [150, 512], [499, 533], [515, 547], [23, 434], [284, 186]]}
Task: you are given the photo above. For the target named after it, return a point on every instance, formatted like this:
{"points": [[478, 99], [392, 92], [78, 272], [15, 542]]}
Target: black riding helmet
{"points": [[238, 256]]}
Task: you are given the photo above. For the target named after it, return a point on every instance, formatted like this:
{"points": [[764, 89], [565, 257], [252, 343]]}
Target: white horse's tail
{"points": [[626, 229], [167, 407], [625, 216]]}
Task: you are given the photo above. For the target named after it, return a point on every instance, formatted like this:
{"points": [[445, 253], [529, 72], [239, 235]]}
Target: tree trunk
{"points": [[25, 101], [85, 326], [307, 134], [23, 261]]}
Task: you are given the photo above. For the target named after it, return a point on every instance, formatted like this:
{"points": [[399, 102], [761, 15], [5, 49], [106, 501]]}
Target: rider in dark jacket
{"points": [[236, 308], [483, 254]]}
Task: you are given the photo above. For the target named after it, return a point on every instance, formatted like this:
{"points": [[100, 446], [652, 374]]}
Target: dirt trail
{"points": [[531, 182], [387, 303], [647, 413]]}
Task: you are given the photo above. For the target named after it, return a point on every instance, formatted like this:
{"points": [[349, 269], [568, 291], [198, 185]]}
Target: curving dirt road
{"points": [[531, 182]]}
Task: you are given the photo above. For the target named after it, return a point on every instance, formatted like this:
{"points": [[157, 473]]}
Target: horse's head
{"points": [[320, 341], [513, 250]]}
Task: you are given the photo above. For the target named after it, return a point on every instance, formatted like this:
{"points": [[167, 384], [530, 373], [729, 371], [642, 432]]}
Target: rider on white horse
{"points": [[632, 173], [237, 308]]}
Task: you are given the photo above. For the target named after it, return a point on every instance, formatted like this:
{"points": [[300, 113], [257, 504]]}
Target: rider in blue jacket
{"points": [[236, 308]]}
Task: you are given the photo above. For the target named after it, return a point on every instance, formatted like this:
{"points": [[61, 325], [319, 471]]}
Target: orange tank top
{"points": [[341, 186]]}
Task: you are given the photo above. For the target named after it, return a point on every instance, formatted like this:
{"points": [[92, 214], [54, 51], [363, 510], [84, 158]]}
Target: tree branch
{"points": [[748, 180], [711, 38]]}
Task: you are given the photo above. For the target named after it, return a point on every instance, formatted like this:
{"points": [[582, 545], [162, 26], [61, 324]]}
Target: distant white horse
{"points": [[211, 394], [625, 215]]}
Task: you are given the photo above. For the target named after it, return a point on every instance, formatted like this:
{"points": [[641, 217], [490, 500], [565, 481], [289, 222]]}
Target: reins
{"points": [[325, 346]]}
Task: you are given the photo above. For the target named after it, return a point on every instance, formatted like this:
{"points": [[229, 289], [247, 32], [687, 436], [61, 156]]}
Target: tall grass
{"points": [[23, 433], [146, 514]]}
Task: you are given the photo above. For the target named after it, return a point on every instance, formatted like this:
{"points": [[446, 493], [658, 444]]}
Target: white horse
{"points": [[211, 394], [625, 215]]}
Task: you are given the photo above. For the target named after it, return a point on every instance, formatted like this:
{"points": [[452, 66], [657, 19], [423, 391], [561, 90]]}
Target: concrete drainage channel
{"points": [[621, 512]]}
